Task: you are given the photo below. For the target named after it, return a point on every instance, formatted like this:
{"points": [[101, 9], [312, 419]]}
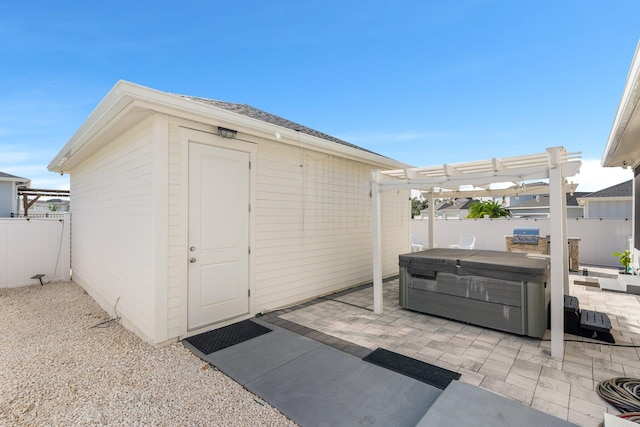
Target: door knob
{"points": [[192, 260], [192, 248]]}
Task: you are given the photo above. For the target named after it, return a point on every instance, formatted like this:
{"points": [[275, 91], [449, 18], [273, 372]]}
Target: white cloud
{"points": [[9, 155], [593, 177]]}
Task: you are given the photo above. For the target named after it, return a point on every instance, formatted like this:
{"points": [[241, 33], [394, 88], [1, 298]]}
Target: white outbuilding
{"points": [[190, 213]]}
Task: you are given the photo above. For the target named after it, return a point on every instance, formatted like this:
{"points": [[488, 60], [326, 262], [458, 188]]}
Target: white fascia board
{"points": [[626, 107], [126, 96], [101, 117], [605, 199]]}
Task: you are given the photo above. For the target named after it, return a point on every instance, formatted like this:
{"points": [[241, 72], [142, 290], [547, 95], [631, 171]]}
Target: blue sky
{"points": [[424, 82]]}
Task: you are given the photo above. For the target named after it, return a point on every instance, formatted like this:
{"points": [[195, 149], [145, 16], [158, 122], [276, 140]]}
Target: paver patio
{"points": [[517, 367]]}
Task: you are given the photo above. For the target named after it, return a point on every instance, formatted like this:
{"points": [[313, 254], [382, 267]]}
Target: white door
{"points": [[218, 234]]}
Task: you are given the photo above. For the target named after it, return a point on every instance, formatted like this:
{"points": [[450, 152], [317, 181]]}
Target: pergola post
{"points": [[377, 242], [432, 216], [558, 252], [555, 165]]}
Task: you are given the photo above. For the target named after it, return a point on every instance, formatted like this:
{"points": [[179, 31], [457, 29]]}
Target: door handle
{"points": [[192, 260]]}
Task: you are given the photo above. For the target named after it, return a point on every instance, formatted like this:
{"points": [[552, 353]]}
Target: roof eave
{"points": [[621, 150], [100, 119], [17, 180], [605, 199], [126, 98]]}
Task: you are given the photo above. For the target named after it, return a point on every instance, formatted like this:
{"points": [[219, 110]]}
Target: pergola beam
{"points": [[555, 165], [40, 192], [531, 189], [26, 192]]}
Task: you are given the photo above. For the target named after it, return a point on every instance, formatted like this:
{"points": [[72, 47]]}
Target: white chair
{"points": [[416, 247], [467, 241], [416, 243]]}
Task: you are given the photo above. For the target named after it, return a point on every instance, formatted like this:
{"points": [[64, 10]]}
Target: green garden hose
{"points": [[623, 393]]}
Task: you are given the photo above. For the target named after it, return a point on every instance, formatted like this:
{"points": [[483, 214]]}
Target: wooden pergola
{"points": [[476, 179], [37, 193]]}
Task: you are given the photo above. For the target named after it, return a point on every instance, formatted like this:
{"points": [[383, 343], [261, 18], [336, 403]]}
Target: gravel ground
{"points": [[56, 370]]}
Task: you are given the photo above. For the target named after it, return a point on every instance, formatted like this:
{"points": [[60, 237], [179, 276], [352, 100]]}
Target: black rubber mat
{"points": [[416, 369], [227, 336]]}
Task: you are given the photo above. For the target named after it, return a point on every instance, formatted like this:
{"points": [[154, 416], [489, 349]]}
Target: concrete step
{"points": [[465, 405], [595, 321], [571, 304], [626, 283], [586, 323]]}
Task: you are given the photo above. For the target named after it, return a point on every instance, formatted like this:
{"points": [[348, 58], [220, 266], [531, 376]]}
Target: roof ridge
{"points": [[264, 116]]}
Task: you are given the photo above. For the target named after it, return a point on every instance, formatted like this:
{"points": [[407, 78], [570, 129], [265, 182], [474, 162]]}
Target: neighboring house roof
{"points": [[543, 202], [8, 177], [622, 190], [457, 204], [127, 103], [255, 113], [443, 205]]}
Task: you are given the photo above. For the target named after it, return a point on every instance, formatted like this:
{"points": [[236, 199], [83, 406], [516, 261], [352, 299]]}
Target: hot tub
{"points": [[506, 291]]}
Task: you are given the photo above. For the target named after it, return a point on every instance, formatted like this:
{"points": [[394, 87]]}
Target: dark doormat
{"points": [[416, 369], [227, 336]]}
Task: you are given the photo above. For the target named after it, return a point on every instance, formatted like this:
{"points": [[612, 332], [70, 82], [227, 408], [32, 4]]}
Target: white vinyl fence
{"points": [[599, 238], [31, 246]]}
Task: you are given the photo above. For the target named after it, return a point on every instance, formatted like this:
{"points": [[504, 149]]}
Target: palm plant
{"points": [[491, 208], [476, 210]]}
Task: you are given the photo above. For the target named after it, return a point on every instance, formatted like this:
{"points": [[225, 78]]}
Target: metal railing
{"points": [[40, 215]]}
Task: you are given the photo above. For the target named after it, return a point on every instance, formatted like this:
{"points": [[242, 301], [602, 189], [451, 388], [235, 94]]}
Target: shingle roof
{"points": [[443, 206], [624, 189], [6, 175], [255, 113], [457, 204]]}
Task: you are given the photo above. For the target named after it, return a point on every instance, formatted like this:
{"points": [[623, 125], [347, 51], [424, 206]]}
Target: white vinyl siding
{"points": [[313, 225], [6, 199], [609, 209], [112, 236]]}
